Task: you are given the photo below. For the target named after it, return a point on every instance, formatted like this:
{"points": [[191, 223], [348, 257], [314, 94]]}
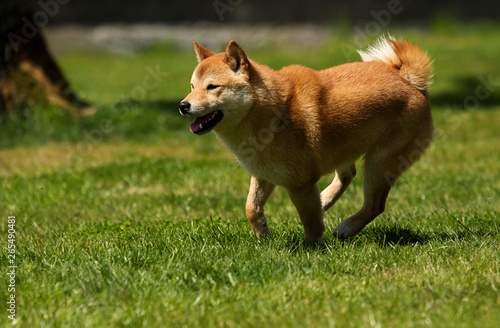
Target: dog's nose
{"points": [[184, 107]]}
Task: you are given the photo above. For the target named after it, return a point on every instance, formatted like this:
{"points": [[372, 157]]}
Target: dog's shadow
{"points": [[392, 236], [396, 236]]}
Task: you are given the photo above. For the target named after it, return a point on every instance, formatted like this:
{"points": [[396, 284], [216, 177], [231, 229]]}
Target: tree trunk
{"points": [[28, 73]]}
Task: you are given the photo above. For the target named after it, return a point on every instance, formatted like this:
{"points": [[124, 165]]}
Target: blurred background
{"points": [[124, 26], [280, 12]]}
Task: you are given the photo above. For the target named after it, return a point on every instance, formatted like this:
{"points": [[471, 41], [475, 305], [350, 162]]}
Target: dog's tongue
{"points": [[198, 123]]}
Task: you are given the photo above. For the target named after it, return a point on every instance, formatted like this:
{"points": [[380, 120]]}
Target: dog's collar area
{"points": [[206, 123]]}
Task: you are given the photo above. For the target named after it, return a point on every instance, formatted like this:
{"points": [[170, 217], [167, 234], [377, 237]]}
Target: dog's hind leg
{"points": [[259, 193], [383, 166], [378, 180], [308, 203], [332, 193]]}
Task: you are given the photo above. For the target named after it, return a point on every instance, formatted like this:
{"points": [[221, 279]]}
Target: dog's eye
{"points": [[192, 87], [212, 87]]}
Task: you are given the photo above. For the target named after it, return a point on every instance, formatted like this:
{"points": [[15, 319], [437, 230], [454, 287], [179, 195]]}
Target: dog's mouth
{"points": [[206, 123]]}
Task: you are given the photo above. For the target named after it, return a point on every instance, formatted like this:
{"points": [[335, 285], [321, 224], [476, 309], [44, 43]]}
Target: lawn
{"points": [[126, 219]]}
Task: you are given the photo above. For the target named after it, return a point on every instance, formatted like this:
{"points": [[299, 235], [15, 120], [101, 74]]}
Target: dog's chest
{"points": [[267, 167], [259, 158], [268, 161]]}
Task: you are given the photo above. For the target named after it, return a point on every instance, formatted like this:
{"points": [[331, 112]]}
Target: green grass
{"points": [[126, 219]]}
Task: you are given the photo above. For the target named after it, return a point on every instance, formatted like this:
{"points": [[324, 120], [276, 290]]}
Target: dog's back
{"points": [[344, 111]]}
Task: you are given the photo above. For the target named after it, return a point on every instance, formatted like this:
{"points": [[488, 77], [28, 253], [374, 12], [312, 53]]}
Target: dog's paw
{"points": [[344, 231], [318, 241], [264, 233]]}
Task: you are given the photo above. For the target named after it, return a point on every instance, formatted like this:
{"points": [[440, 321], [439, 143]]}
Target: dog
{"points": [[290, 127]]}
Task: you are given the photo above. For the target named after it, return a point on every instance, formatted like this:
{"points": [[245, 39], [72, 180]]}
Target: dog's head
{"points": [[221, 94]]}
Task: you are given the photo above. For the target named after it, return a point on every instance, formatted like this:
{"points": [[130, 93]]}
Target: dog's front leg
{"points": [[259, 193], [308, 203]]}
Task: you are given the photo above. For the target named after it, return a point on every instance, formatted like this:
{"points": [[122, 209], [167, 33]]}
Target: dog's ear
{"points": [[236, 57], [201, 52]]}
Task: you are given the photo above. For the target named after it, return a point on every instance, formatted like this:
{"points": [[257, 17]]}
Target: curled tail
{"points": [[413, 64]]}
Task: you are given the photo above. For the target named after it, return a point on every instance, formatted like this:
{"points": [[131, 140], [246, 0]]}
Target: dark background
{"points": [[280, 12]]}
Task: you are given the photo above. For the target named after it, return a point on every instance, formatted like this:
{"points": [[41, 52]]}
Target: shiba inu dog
{"points": [[292, 126]]}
